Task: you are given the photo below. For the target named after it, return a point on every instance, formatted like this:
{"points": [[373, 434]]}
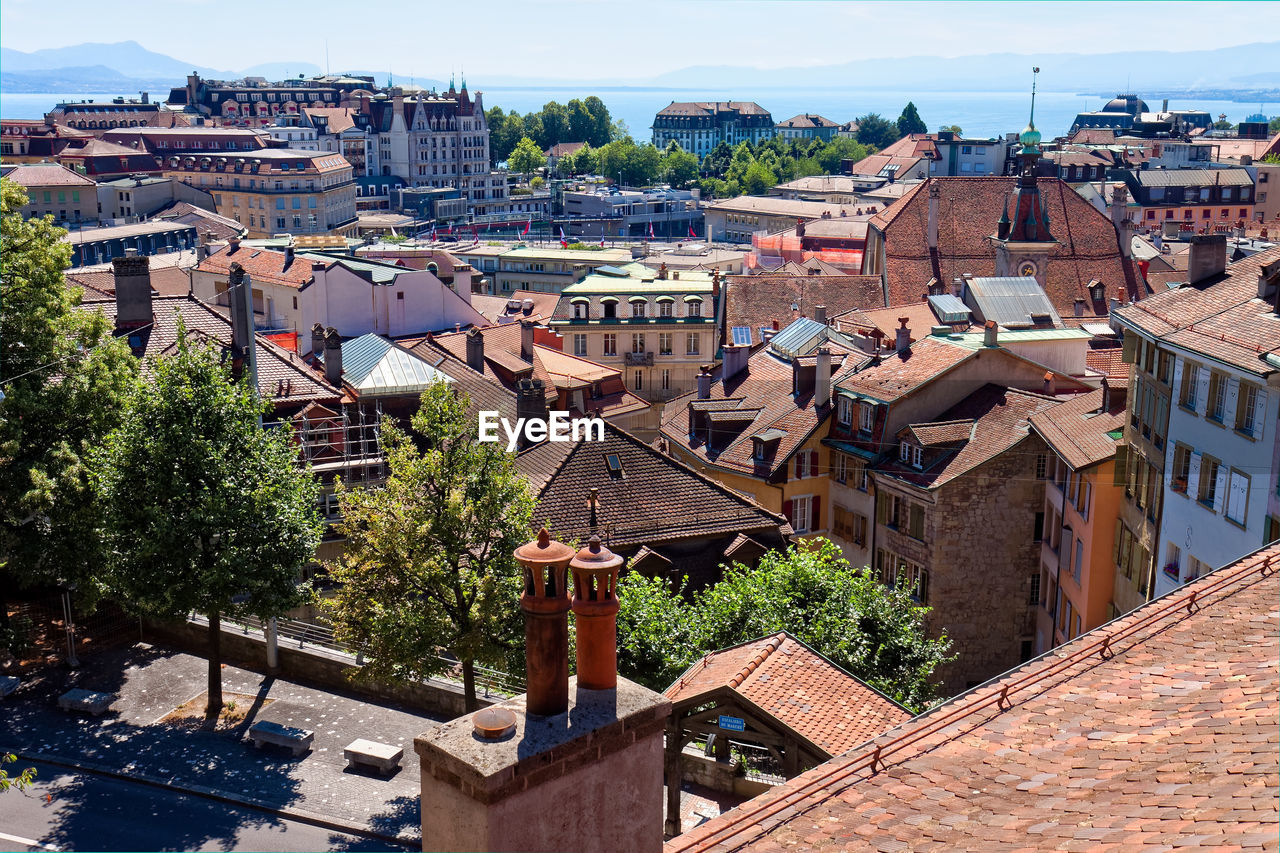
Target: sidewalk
{"points": [[131, 741]]}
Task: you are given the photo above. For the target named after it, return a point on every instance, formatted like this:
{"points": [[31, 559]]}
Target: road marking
{"points": [[30, 842]]}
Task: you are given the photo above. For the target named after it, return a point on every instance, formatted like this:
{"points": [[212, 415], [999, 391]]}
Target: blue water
{"points": [[980, 114]]}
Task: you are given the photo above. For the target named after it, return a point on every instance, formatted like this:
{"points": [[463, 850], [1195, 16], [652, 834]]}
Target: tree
{"points": [[840, 148], [758, 179], [204, 509], [954, 128], [429, 562], [555, 125], [1274, 125], [64, 378], [910, 122], [678, 168], [876, 131], [527, 157], [21, 781], [602, 125], [875, 632]]}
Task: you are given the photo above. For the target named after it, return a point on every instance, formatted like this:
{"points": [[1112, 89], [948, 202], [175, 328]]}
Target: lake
{"points": [[980, 114]]}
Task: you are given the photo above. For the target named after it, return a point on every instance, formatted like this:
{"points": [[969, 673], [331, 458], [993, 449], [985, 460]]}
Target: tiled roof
{"points": [[506, 308], [1078, 431], [702, 108], [798, 687], [899, 374], [807, 120], [1232, 149], [260, 264], [943, 432], [1109, 362], [1093, 136], [166, 281], [336, 119], [1220, 317], [967, 212], [205, 221], [654, 499], [1156, 731], [920, 320], [759, 300], [1194, 177], [1001, 423], [903, 168], [774, 206], [45, 175], [560, 149], [283, 377]]}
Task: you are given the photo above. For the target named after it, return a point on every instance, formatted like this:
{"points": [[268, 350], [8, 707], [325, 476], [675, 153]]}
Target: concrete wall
{"points": [[314, 666], [352, 305]]}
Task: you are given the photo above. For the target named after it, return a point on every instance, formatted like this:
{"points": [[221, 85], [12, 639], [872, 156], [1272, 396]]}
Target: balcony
{"points": [[638, 359]]}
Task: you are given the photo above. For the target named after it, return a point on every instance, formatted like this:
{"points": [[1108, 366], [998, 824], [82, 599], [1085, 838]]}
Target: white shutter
{"points": [[1193, 477], [1202, 390], [1233, 395], [1220, 494], [1260, 415], [1237, 497], [1177, 378]]}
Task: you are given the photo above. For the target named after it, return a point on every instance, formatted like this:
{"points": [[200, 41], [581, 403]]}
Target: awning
{"points": [[692, 298]]}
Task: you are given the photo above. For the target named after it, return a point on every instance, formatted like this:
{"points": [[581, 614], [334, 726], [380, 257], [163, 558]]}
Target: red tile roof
{"points": [[798, 687], [1109, 362], [899, 374], [1157, 730], [1078, 430], [1220, 317], [808, 121], [261, 264], [760, 300], [907, 166], [46, 175], [166, 281], [967, 212]]}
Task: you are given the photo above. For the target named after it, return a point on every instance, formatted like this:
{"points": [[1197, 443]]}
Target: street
{"points": [[65, 810]]}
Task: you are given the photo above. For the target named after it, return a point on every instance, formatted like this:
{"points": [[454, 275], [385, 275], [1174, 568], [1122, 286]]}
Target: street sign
{"points": [[732, 724]]}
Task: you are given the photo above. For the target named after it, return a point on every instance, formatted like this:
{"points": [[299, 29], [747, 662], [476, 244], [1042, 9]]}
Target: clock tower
{"points": [[1024, 242]]}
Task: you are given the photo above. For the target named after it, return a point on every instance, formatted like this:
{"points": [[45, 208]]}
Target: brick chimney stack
{"points": [[902, 342], [317, 340], [991, 334], [1208, 257], [243, 341], [704, 382], [475, 350], [822, 379], [595, 607], [545, 604], [526, 339], [333, 357]]}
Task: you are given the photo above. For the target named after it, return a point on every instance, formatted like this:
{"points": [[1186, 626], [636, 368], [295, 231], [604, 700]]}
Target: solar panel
{"points": [[742, 335]]}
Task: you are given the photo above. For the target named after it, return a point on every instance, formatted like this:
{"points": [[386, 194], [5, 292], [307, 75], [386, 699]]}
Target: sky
{"points": [[601, 38]]}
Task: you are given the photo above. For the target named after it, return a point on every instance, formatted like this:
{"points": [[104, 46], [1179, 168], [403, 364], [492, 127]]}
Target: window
{"points": [[840, 466], [1181, 468], [1079, 564], [664, 343], [638, 383], [844, 411], [915, 528], [1037, 533], [1190, 386], [693, 347], [637, 309], [610, 309], [1217, 402], [866, 418], [579, 311], [1033, 598], [694, 309], [1042, 465], [579, 344], [610, 344], [637, 343], [800, 518], [1207, 493], [664, 309], [1247, 409], [666, 379], [1237, 496]]}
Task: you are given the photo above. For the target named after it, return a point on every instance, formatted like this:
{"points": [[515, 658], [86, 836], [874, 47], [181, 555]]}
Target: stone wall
{"points": [[314, 666], [984, 555]]}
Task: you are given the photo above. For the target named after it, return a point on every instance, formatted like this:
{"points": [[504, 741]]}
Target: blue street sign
{"points": [[732, 724]]}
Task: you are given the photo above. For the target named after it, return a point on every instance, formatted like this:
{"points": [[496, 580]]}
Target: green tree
{"points": [[840, 148], [527, 157], [429, 562], [910, 122], [602, 126], [1223, 124], [555, 125], [204, 509], [505, 130], [758, 179], [1274, 124], [64, 377], [876, 131], [678, 168], [954, 128], [21, 781], [810, 590]]}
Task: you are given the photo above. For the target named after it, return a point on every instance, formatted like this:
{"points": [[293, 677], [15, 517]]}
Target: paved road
{"points": [[82, 811]]}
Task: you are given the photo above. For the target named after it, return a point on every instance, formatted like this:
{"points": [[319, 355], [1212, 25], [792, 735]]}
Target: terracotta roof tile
{"points": [[166, 281], [1109, 362], [46, 175], [758, 301], [899, 374], [260, 264], [800, 688], [1157, 730], [967, 212], [1078, 431]]}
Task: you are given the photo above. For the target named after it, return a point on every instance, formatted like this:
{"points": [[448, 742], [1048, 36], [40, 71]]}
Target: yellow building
{"points": [[276, 190]]}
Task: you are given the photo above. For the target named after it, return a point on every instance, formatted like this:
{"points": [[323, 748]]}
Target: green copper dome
{"points": [[1030, 138]]}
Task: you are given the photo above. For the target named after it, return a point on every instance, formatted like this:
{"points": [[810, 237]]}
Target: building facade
{"points": [[700, 126]]}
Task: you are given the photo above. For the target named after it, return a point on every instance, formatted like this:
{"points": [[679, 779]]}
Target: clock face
{"points": [[1027, 269]]}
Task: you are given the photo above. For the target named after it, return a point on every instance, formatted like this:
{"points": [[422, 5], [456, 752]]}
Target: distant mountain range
{"points": [[127, 66]]}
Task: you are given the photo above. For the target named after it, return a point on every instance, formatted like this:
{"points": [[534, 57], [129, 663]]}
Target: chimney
{"points": [[570, 766], [545, 604], [931, 234], [735, 360], [704, 382], [233, 245], [333, 357], [133, 290], [957, 287], [662, 271], [991, 334], [820, 314], [475, 350], [288, 256], [822, 379], [1050, 383], [903, 340], [243, 342], [595, 610], [526, 339], [1079, 307], [1208, 257], [317, 340], [715, 283], [531, 404]]}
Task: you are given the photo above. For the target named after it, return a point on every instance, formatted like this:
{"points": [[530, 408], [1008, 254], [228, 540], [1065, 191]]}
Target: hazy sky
{"points": [[639, 38]]}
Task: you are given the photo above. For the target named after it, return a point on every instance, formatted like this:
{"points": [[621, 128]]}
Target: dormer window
{"points": [[844, 411], [911, 454], [1098, 292], [866, 417]]}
